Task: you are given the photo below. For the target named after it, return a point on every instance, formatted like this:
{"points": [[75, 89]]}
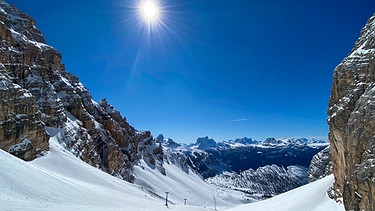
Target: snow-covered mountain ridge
{"points": [[205, 143], [210, 158]]}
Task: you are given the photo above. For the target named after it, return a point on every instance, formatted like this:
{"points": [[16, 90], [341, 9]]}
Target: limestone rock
{"points": [[21, 130], [352, 124], [320, 166]]}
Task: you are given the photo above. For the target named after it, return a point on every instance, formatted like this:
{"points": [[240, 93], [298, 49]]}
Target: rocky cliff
{"points": [[352, 124], [39, 99], [320, 166]]}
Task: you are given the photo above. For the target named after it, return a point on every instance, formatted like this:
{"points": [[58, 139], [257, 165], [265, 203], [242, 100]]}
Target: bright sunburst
{"points": [[149, 10], [151, 20]]}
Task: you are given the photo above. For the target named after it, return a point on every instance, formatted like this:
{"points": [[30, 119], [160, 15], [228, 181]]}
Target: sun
{"points": [[149, 10]]}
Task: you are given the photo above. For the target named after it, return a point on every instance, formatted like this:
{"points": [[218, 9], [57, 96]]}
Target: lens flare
{"points": [[149, 10]]}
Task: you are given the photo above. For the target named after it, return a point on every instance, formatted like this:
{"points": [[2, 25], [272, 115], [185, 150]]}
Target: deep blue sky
{"points": [[225, 69]]}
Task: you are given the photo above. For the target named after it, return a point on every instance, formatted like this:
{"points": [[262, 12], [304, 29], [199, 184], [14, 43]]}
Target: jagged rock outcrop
{"points": [[352, 124], [320, 166], [39, 96]]}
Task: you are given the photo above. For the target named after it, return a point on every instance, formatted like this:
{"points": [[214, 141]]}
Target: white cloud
{"points": [[237, 120]]}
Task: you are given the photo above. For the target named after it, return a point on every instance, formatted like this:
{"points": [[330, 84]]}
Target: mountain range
{"points": [[259, 168], [210, 158]]}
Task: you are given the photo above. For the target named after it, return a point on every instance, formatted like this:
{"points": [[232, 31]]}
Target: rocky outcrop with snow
{"points": [[320, 166], [204, 143], [238, 142], [264, 182], [352, 123], [39, 96]]}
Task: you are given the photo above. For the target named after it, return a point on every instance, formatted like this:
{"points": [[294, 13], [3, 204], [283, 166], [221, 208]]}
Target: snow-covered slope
{"points": [[60, 181], [190, 186], [312, 197]]}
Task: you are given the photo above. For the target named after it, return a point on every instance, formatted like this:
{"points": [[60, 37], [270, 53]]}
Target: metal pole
{"points": [[166, 198], [185, 201], [215, 202]]}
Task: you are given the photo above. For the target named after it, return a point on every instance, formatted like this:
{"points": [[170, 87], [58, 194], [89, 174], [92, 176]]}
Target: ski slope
{"points": [[312, 197], [60, 181], [192, 187]]}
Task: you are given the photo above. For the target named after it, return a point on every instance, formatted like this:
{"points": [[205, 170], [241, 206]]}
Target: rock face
{"points": [[22, 132], [40, 99], [352, 123], [320, 166]]}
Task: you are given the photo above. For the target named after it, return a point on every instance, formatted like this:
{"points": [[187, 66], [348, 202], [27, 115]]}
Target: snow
{"points": [[3, 11], [311, 197], [60, 181], [185, 186], [26, 94], [6, 84], [17, 35], [21, 146]]}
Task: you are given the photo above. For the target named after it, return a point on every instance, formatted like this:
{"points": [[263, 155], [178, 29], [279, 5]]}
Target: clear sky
{"points": [[223, 69]]}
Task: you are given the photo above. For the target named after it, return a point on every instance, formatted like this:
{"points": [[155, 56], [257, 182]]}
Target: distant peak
{"points": [[160, 138], [205, 143]]}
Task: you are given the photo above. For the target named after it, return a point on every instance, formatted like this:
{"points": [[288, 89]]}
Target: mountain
{"points": [[352, 124], [244, 153], [41, 99], [262, 169], [264, 182], [204, 143], [239, 141]]}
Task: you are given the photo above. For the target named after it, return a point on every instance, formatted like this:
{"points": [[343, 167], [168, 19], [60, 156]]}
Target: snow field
{"points": [[186, 186]]}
